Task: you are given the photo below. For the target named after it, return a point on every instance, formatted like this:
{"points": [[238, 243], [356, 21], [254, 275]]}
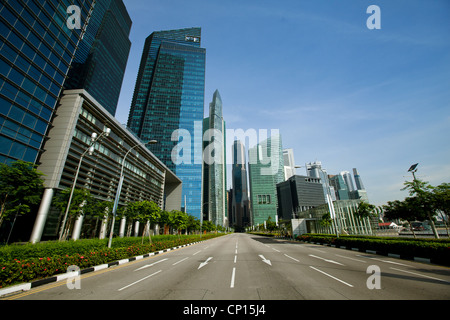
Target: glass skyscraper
{"points": [[36, 51], [266, 170], [215, 169], [240, 204], [100, 61], [168, 106]]}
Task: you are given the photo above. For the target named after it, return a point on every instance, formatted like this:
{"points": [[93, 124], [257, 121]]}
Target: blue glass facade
{"points": [[100, 61], [36, 50], [169, 95]]}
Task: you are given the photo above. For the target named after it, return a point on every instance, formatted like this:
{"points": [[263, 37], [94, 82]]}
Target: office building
{"points": [[298, 194], [168, 103], [315, 170], [36, 50], [358, 181], [214, 165], [145, 176], [289, 163], [348, 180], [100, 61], [340, 187], [239, 199], [265, 171]]}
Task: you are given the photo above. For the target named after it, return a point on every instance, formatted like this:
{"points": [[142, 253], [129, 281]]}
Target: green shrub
{"points": [[437, 250], [25, 263]]}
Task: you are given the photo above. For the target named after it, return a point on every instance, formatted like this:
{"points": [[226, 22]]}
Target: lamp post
{"points": [[119, 188], [90, 150]]}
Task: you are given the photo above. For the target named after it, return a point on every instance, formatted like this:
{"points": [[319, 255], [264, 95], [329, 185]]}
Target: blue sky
{"points": [[350, 97]]}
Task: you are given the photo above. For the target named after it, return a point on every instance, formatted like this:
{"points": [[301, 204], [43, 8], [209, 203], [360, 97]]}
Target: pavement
{"points": [[244, 267]]}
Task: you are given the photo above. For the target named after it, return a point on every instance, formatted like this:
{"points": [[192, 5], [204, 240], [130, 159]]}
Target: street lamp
{"points": [[413, 169], [119, 188], [90, 150]]}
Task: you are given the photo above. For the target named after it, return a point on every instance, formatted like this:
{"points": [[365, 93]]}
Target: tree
{"points": [[325, 221], [424, 199], [99, 210], [166, 220], [179, 220], [81, 198], [270, 225], [404, 210], [365, 210], [208, 226], [193, 224], [441, 202], [146, 212], [21, 187]]}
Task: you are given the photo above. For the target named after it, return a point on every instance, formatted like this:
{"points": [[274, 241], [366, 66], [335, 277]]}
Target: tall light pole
{"points": [[119, 188], [90, 149]]}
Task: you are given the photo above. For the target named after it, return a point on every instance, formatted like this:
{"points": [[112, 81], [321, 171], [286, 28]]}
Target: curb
{"points": [[30, 285]]}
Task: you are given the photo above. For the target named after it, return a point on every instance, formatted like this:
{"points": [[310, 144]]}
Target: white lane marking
{"points": [[265, 260], [418, 274], [232, 278], [150, 265], [392, 262], [131, 284], [197, 252], [180, 261], [291, 258], [351, 258], [235, 257], [329, 275], [327, 260], [204, 263]]}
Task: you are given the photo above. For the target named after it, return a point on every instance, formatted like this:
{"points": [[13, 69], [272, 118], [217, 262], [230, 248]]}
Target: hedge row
{"points": [[26, 263], [438, 251]]}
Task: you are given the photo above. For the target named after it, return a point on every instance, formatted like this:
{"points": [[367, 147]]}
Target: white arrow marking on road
{"points": [[149, 265], [265, 260], [204, 263], [327, 260]]}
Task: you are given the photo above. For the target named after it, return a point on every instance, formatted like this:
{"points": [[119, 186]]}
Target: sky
{"points": [[338, 92]]}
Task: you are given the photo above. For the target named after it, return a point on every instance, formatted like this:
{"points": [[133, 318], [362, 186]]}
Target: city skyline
{"points": [[351, 96]]}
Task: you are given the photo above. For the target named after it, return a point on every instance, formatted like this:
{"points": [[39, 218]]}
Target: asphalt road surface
{"points": [[248, 267]]}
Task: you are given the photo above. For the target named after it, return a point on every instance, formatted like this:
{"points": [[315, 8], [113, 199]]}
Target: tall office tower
{"points": [[239, 198], [348, 180], [168, 105], [265, 171], [289, 163], [314, 169], [214, 165], [99, 63], [358, 181], [36, 50], [340, 187]]}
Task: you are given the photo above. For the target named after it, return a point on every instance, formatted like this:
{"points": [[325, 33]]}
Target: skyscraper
{"points": [[314, 169], [289, 163], [168, 103], [214, 170], [358, 181], [265, 171], [240, 202], [99, 63], [36, 50], [348, 180]]}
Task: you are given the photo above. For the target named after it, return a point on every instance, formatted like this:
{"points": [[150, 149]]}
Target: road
{"points": [[248, 267]]}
